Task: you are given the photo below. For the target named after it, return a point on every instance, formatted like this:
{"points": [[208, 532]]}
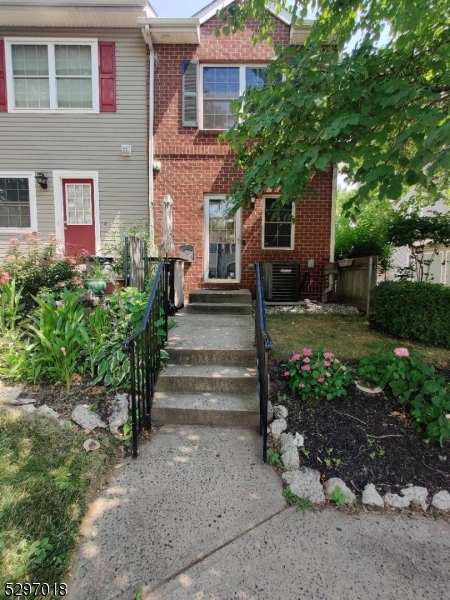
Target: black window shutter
{"points": [[190, 93]]}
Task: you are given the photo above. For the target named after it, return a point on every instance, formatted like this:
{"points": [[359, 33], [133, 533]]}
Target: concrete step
{"points": [[207, 408], [229, 308], [221, 296], [207, 378], [194, 356]]}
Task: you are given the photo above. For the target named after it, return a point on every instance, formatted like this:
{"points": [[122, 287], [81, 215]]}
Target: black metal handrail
{"points": [[144, 348], [263, 347]]}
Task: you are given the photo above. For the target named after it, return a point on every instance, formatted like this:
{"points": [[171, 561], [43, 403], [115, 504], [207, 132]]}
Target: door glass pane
{"points": [[222, 241], [79, 204]]}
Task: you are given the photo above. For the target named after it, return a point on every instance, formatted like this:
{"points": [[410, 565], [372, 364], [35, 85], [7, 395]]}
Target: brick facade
{"points": [[195, 165]]}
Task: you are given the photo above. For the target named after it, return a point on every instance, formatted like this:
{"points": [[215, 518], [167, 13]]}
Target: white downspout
{"points": [[151, 147], [333, 212]]}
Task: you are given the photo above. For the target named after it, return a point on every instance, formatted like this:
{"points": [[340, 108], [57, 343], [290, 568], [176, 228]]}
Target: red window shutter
{"points": [[107, 83], [3, 100]]}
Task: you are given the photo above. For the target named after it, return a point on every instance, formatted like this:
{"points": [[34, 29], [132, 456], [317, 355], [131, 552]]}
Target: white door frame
{"points": [[58, 178], [238, 222]]}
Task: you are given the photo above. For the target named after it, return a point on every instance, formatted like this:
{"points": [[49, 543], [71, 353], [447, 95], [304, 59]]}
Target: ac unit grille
{"points": [[281, 282]]}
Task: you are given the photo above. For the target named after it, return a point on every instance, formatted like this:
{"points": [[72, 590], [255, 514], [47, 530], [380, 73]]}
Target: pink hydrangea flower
{"points": [[63, 350], [316, 364], [326, 363], [295, 358], [306, 368], [343, 367], [401, 352], [328, 355], [4, 278], [287, 373], [306, 360], [301, 385], [307, 352], [321, 379]]}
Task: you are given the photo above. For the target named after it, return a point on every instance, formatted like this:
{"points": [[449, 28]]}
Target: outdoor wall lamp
{"points": [[42, 180], [253, 198]]}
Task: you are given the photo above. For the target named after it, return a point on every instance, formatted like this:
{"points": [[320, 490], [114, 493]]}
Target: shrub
{"points": [[416, 385], [38, 267], [10, 303], [317, 374], [413, 310]]}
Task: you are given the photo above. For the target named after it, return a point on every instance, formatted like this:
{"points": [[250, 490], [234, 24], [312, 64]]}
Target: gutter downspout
{"points": [[333, 213], [151, 146]]}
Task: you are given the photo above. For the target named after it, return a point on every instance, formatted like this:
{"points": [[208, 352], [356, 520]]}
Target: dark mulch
{"points": [[369, 437], [82, 391]]}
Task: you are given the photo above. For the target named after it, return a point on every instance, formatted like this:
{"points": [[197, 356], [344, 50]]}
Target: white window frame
{"points": [[30, 175], [50, 43], [58, 197], [263, 223], [242, 86]]}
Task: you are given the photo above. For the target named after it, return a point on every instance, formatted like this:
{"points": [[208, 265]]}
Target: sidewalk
{"points": [[199, 516]]}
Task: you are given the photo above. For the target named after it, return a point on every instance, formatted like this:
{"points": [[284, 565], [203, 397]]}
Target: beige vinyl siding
{"points": [[87, 142], [132, 3]]}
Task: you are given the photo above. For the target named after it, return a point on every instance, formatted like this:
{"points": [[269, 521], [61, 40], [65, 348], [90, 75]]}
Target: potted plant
{"points": [[95, 278]]}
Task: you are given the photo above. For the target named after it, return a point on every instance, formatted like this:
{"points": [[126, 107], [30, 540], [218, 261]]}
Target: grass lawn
{"points": [[349, 337], [46, 479]]}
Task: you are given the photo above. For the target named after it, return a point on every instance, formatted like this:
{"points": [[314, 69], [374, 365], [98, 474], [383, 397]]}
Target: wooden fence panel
{"points": [[355, 282]]}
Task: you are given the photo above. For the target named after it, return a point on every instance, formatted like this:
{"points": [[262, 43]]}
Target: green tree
{"points": [[364, 233], [381, 111], [422, 235]]}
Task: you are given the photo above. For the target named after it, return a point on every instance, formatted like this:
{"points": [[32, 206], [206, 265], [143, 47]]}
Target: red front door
{"points": [[79, 218]]}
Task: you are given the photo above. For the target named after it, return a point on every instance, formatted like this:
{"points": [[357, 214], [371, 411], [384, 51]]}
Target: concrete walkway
{"points": [[199, 516]]}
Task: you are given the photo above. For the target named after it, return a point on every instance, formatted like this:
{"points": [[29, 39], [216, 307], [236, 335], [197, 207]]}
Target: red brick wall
{"points": [[194, 165]]}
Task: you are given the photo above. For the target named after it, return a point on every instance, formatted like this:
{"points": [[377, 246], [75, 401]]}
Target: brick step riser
{"points": [[199, 298]]}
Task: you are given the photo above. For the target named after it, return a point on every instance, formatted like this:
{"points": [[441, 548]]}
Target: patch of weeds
{"points": [[282, 398], [302, 504], [330, 460], [442, 457], [338, 496], [274, 459], [305, 452]]}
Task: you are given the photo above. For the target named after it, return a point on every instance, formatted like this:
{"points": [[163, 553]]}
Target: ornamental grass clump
{"points": [[317, 374]]}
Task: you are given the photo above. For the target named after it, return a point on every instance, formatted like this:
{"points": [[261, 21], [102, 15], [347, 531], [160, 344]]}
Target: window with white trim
{"points": [[52, 76], [17, 201], [278, 225], [220, 85]]}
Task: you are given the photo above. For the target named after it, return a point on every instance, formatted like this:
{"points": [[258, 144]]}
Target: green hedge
{"points": [[413, 310]]}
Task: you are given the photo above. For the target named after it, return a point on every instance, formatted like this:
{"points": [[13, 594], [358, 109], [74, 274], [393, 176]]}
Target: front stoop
{"points": [[211, 378], [230, 302]]}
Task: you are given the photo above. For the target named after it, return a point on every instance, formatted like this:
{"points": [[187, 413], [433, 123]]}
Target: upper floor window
{"points": [[17, 201], [52, 76], [221, 85], [278, 225]]}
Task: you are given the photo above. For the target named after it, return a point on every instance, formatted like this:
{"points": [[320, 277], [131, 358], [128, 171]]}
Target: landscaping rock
{"points": [[333, 483], [299, 440], [120, 413], [91, 444], [8, 395], [269, 412], [371, 497], [22, 401], [85, 418], [441, 500], [290, 459], [29, 408], [368, 387], [277, 427], [47, 411], [281, 412], [396, 501], [287, 442], [416, 495], [305, 483]]}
